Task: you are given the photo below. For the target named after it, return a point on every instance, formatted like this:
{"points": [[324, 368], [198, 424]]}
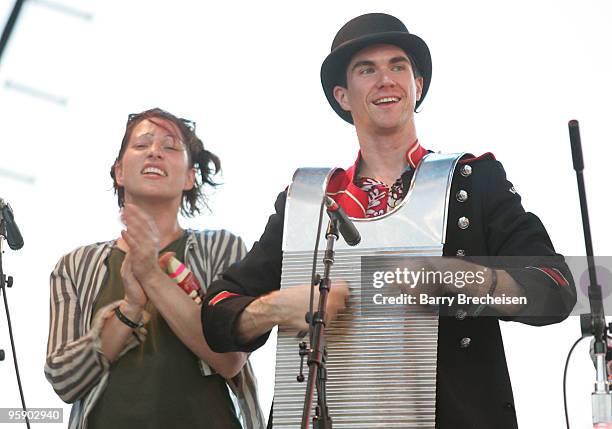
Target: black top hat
{"points": [[363, 31]]}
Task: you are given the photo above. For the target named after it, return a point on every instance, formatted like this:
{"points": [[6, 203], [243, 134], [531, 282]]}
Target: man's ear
{"points": [[418, 83], [341, 96], [118, 173]]}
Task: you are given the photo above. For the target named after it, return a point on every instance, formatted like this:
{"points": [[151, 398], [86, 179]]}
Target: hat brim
{"points": [[334, 66]]}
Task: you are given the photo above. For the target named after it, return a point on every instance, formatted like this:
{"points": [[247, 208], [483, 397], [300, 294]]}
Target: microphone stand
{"points": [[317, 354], [593, 323], [8, 282]]}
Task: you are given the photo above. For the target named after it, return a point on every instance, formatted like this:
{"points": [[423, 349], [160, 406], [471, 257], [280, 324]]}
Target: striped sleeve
{"points": [[223, 249], [244, 388], [73, 364], [226, 249]]}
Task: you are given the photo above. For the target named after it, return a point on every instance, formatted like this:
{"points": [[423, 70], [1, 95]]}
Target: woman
{"points": [[125, 342]]}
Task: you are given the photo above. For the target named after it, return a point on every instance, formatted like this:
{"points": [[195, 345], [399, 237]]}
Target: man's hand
{"points": [[142, 238], [287, 308], [293, 303]]}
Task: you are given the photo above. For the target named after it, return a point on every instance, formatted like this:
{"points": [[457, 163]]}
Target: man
{"points": [[375, 77]]}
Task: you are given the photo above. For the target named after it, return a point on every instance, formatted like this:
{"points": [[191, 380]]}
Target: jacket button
{"points": [[465, 342], [460, 315], [460, 252], [462, 196], [463, 222], [466, 170]]}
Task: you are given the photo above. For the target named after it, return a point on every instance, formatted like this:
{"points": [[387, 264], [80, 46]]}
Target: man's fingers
{"points": [[341, 289]]}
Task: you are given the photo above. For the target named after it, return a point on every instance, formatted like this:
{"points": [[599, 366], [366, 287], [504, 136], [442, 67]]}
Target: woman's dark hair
{"points": [[205, 162]]}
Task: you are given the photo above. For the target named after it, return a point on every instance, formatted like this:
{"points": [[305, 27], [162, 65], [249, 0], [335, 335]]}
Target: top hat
{"points": [[363, 31]]}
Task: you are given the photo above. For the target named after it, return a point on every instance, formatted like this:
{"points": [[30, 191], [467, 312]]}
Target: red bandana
{"points": [[365, 197]]}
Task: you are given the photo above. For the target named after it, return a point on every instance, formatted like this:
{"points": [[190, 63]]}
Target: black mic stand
{"points": [[317, 354], [8, 282], [593, 323]]}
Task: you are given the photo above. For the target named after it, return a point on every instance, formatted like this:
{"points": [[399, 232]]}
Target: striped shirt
{"points": [[76, 367]]}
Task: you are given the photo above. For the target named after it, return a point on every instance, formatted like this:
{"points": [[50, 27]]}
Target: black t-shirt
{"points": [[159, 383]]}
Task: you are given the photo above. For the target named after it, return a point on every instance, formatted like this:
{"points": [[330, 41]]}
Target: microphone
{"points": [[345, 225], [574, 133], [13, 236]]}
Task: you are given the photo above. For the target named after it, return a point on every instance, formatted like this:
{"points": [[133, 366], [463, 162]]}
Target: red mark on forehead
{"points": [[168, 126]]}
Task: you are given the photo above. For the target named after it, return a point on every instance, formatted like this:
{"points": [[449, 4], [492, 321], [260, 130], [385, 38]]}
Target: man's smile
{"points": [[386, 100]]}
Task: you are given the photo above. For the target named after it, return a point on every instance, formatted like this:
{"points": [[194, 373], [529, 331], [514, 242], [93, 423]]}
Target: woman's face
{"points": [[155, 163]]}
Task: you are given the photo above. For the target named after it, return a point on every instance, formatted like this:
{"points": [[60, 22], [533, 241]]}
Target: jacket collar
{"points": [[349, 196]]}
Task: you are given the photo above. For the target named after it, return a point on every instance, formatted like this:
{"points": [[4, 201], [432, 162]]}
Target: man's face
{"points": [[381, 89], [155, 164]]}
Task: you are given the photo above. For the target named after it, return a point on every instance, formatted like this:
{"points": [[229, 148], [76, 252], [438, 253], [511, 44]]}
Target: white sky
{"points": [[507, 76]]}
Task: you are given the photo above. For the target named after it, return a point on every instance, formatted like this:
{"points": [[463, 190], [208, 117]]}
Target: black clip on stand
{"points": [[593, 323], [10, 232]]}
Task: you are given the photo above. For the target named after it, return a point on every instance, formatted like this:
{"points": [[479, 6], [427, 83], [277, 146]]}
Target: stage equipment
{"points": [[381, 360], [593, 323], [10, 232]]}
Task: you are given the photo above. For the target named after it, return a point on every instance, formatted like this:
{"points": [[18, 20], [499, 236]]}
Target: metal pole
{"points": [[10, 25]]}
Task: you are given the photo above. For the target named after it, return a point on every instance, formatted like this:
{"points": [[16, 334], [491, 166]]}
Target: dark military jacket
{"points": [[473, 385]]}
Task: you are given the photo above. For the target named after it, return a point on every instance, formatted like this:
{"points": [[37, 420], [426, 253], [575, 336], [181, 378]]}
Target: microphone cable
{"points": [[565, 379], [314, 278]]}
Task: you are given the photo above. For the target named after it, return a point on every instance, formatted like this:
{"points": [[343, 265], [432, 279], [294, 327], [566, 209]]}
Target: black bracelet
{"points": [[127, 321]]}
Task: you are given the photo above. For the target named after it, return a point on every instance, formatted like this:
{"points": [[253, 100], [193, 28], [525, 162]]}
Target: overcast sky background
{"points": [[507, 76]]}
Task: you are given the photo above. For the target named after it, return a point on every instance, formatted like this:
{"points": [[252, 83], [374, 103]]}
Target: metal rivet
{"points": [[466, 170], [465, 342], [460, 252], [460, 314], [463, 222], [462, 196]]}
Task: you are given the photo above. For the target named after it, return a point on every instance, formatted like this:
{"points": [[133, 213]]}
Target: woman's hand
{"points": [[135, 296], [142, 238]]}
